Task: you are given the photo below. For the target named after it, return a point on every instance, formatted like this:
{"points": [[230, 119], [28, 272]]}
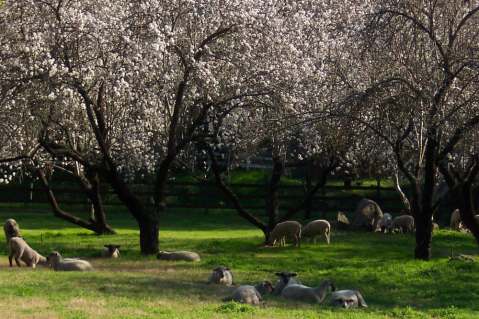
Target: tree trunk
{"points": [[309, 185], [94, 194], [148, 220], [467, 210], [161, 183], [272, 200]]}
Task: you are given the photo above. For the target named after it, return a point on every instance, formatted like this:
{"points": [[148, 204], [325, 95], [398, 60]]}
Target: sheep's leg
{"points": [[10, 258], [328, 239], [17, 261]]}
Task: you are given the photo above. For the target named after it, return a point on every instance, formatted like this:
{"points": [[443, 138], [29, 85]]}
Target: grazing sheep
{"points": [[384, 224], [178, 255], [252, 295], [19, 250], [367, 215], [286, 230], [456, 222], [285, 278], [403, 223], [67, 264], [342, 222], [307, 294], [348, 299], [11, 229], [316, 228], [111, 251], [221, 276], [435, 226]]}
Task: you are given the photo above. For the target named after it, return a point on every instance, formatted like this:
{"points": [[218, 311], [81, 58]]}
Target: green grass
{"points": [[381, 266]]}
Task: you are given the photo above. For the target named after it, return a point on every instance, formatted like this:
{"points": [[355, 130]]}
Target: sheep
{"points": [[111, 251], [251, 294], [403, 223], [20, 250], [304, 293], [286, 230], [285, 278], [59, 263], [221, 276], [11, 229], [178, 255], [367, 214], [456, 223], [348, 299], [316, 228], [384, 223], [342, 222]]}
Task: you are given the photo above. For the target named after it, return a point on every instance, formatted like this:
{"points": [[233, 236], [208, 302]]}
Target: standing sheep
{"points": [[252, 295], [11, 229], [403, 223], [317, 228], [59, 263], [384, 224], [111, 251], [285, 278], [299, 292], [19, 250], [286, 230], [221, 276], [367, 215], [348, 299]]}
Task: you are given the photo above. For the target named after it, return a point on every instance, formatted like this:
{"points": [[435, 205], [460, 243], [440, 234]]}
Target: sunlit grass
{"points": [[381, 266]]}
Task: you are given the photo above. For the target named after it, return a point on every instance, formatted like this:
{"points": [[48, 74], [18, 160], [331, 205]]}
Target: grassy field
{"points": [[393, 284]]}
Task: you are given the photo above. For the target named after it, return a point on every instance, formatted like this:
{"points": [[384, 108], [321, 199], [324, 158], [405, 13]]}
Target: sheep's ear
{"points": [[117, 246], [106, 246], [292, 274], [280, 274]]}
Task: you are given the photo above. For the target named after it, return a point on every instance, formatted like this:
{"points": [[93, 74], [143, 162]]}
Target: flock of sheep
{"points": [[368, 215]]}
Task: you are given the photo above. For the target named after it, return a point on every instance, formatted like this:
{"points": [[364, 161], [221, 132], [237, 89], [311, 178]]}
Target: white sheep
{"points": [[285, 278], [317, 228], [384, 223], [286, 230], [252, 295], [11, 229], [221, 276], [403, 223], [59, 263], [348, 299], [20, 250], [111, 251], [178, 255], [304, 293]]}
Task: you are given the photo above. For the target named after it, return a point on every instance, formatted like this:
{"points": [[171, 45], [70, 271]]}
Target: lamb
{"points": [[178, 255], [111, 251], [316, 228], [285, 278], [221, 276], [286, 230], [348, 299], [403, 223], [342, 222], [252, 295], [20, 250], [384, 223], [59, 263], [11, 229], [304, 293]]}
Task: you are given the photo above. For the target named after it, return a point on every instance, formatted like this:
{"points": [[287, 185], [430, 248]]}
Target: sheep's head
{"points": [[112, 248], [11, 227], [221, 271], [266, 287], [54, 258], [285, 276], [344, 302]]}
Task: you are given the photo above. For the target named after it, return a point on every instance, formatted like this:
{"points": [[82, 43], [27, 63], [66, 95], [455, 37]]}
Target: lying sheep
{"points": [[384, 223], [317, 228], [59, 263], [367, 215], [20, 250], [11, 229], [178, 255], [299, 292], [221, 276], [403, 223], [252, 295], [286, 230], [111, 251], [285, 278], [348, 299]]}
